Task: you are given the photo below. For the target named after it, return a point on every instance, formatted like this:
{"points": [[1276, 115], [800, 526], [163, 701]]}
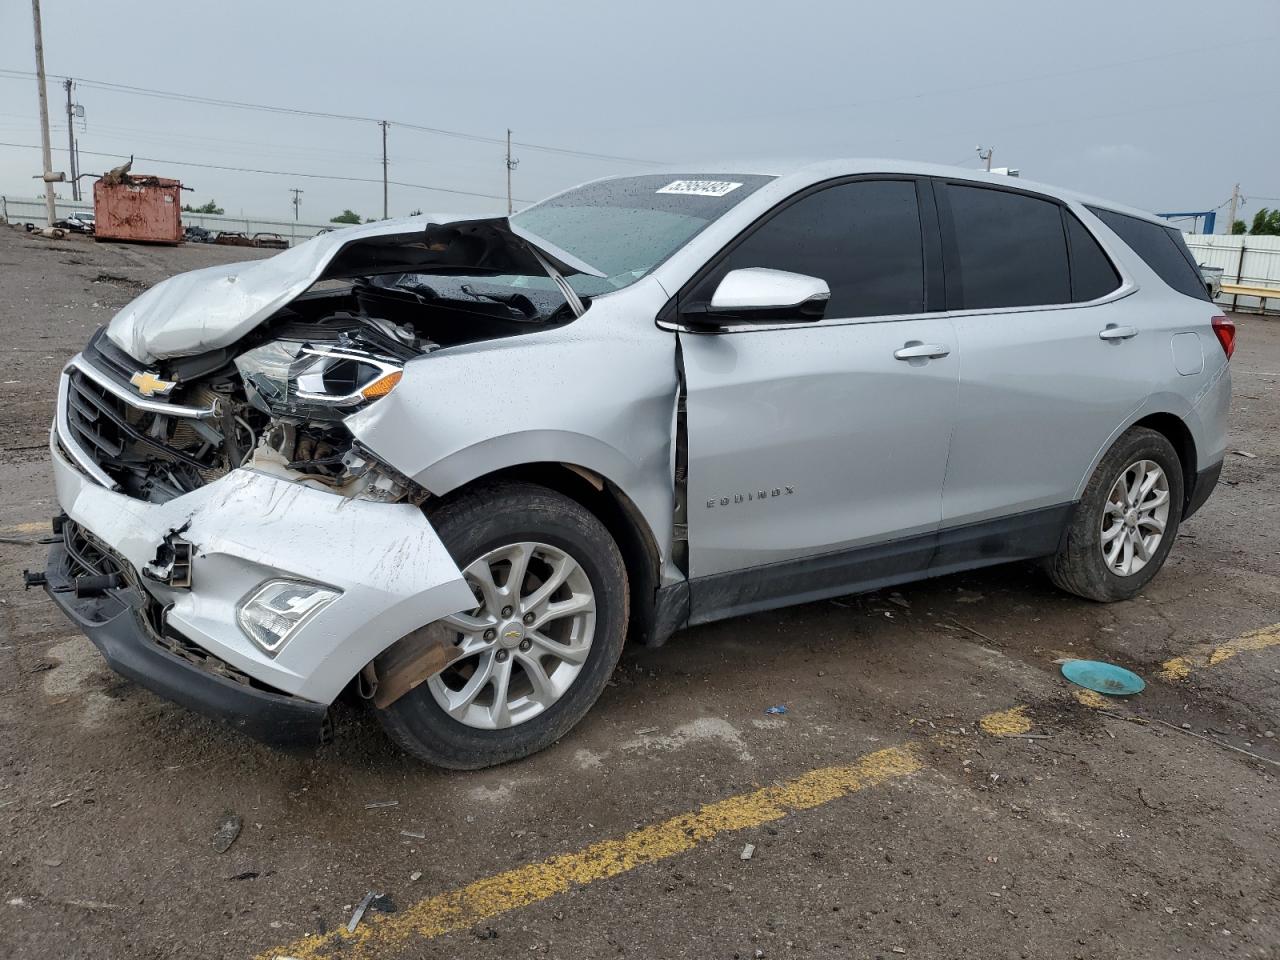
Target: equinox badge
{"points": [[783, 491]]}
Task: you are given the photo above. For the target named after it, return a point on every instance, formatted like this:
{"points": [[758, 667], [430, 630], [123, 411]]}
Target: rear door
{"points": [[1052, 366], [811, 440]]}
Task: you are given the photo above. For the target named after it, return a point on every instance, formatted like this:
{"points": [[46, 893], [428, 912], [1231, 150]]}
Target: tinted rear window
{"points": [[1161, 248], [1092, 273], [1012, 249]]}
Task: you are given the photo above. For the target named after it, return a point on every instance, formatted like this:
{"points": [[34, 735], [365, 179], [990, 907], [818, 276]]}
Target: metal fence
{"points": [[1243, 259], [31, 210]]}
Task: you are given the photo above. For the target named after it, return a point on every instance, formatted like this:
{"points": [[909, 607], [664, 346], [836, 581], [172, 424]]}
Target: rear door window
{"points": [[1011, 250], [1092, 273], [1160, 247], [862, 237]]}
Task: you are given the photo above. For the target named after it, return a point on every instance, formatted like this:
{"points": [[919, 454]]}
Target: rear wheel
{"points": [[1126, 521], [539, 646]]}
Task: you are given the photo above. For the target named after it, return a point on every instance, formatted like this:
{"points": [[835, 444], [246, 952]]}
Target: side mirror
{"points": [[762, 295]]}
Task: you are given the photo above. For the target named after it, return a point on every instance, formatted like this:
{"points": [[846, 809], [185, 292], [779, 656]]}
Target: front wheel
{"points": [[1126, 521], [539, 646]]}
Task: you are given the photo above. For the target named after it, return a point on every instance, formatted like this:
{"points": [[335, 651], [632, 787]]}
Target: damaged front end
{"points": [[225, 517]]}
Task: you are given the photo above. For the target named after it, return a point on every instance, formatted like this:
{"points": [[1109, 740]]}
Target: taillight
{"points": [[1225, 331]]}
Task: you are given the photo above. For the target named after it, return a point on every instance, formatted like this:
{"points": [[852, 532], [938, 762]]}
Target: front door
{"points": [[816, 452]]}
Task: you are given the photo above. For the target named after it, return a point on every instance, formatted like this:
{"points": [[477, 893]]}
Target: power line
{"points": [[325, 115], [282, 173]]}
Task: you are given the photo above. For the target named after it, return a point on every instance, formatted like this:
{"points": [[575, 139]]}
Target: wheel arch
{"points": [[612, 506], [1174, 428]]}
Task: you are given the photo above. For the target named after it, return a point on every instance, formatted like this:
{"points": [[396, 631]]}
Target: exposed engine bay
{"points": [[276, 400]]}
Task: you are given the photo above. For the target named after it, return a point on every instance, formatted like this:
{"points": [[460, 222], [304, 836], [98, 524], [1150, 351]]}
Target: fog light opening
{"points": [[278, 609]]}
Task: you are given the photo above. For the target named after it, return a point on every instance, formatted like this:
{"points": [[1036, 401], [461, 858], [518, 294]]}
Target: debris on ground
{"points": [[1103, 677], [361, 907], [379, 804], [900, 600], [747, 852], [228, 829], [415, 876], [413, 834], [1186, 728], [378, 902], [780, 708], [1246, 454]]}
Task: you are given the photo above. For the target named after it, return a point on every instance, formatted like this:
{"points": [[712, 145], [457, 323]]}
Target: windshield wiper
{"points": [[570, 295]]}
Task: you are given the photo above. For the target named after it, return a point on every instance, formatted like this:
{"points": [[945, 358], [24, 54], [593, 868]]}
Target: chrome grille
{"points": [[97, 420], [103, 424]]}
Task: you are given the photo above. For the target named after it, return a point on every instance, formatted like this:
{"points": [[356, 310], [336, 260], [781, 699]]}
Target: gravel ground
{"points": [[1102, 838]]}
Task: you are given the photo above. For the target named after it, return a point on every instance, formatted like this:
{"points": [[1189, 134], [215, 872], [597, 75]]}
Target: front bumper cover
{"points": [[115, 622], [393, 572]]}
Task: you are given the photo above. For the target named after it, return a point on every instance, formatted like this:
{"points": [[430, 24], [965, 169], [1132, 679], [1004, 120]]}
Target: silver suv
{"points": [[453, 464]]}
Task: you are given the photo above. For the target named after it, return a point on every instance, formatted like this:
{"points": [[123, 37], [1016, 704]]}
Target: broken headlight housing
{"points": [[322, 381]]}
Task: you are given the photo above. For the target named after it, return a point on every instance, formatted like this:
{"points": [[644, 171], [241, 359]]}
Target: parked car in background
{"points": [[451, 466], [82, 221], [1212, 277], [232, 238], [197, 234], [272, 241]]}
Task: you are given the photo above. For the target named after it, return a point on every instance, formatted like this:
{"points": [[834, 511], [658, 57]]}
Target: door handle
{"points": [[1112, 332], [915, 350]]}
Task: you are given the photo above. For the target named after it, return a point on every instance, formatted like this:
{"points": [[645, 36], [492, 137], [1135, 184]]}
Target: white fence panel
{"points": [[1243, 259]]}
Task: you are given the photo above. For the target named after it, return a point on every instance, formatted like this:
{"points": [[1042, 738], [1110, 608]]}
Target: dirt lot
{"points": [[886, 820]]}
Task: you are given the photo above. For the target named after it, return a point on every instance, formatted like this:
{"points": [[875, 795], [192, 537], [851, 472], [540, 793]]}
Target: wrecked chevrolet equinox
{"points": [[448, 466]]}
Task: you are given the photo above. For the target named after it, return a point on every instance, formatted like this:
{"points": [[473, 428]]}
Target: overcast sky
{"points": [[1163, 104]]}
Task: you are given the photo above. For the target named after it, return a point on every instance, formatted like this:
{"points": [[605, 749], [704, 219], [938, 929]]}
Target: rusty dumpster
{"points": [[138, 208]]}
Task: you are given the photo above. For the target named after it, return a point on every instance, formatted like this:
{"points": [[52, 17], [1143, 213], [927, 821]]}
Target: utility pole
{"points": [[1235, 202], [71, 142], [384, 126], [50, 209], [511, 165], [985, 156], [297, 201]]}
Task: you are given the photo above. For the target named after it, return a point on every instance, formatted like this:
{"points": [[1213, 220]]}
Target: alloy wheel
{"points": [[1134, 517], [525, 642]]}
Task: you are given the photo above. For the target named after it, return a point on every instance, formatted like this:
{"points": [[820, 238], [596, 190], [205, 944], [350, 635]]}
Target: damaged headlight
{"points": [[278, 608], [326, 380]]}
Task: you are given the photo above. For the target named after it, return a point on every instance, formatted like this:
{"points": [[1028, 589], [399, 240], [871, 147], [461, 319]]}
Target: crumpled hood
{"points": [[193, 313]]}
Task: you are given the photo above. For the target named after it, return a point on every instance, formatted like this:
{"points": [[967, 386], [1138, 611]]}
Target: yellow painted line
{"points": [[1092, 699], [1006, 723], [464, 907], [1179, 668], [41, 527]]}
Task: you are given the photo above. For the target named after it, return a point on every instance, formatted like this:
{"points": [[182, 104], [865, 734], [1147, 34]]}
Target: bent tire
{"points": [[1126, 521], [547, 631]]}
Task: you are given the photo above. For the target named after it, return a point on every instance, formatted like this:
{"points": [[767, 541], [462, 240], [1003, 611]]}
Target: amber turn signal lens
{"points": [[382, 386]]}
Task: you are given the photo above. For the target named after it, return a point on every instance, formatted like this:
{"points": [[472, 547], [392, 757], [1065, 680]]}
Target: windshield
{"points": [[626, 227]]}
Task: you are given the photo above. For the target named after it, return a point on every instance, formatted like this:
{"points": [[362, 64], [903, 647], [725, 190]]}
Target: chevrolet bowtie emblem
{"points": [[149, 384]]}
